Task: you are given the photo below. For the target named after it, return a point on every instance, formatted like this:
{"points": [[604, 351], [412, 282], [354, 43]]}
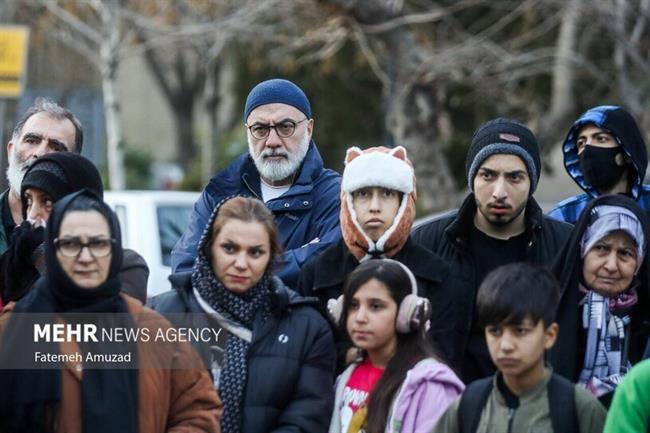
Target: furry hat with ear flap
{"points": [[377, 167]]}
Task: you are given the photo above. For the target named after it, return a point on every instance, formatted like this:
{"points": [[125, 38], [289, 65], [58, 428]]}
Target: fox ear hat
{"points": [[377, 167]]}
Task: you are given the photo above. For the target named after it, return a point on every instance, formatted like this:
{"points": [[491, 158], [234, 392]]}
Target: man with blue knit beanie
{"points": [[282, 168], [498, 223]]}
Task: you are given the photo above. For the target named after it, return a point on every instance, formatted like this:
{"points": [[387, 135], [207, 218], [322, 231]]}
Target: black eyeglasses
{"points": [[284, 129], [71, 247]]}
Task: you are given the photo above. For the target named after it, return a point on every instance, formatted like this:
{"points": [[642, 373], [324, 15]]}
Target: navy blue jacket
{"points": [[290, 376], [307, 214]]}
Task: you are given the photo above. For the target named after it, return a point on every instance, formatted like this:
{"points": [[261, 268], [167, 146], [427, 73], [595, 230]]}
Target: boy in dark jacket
{"points": [[498, 223], [516, 307]]}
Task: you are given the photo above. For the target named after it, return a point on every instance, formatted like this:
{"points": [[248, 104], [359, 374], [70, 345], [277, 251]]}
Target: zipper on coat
{"points": [[511, 417], [245, 179]]}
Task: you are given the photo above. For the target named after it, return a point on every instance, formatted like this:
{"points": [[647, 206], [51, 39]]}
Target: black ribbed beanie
{"points": [[503, 136]]}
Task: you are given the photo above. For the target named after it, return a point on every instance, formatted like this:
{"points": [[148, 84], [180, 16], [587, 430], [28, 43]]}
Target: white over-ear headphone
{"points": [[414, 311]]}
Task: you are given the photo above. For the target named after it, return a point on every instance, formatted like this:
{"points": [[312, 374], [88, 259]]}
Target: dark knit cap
{"points": [[503, 136], [278, 91], [59, 174]]}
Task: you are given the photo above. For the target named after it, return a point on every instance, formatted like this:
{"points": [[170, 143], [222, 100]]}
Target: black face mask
{"points": [[599, 167]]}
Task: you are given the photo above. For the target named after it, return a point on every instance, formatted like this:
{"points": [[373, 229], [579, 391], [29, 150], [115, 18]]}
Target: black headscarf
{"points": [[29, 399], [568, 270]]}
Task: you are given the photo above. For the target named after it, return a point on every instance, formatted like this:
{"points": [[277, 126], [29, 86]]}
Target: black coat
{"points": [[449, 237], [290, 376], [323, 277], [567, 356]]}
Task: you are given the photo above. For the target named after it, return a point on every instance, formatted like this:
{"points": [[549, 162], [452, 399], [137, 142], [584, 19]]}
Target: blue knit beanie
{"points": [[279, 91]]}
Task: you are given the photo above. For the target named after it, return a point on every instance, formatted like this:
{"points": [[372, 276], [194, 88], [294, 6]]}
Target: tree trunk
{"points": [[211, 104], [562, 98], [412, 111], [183, 111], [412, 119], [112, 110]]}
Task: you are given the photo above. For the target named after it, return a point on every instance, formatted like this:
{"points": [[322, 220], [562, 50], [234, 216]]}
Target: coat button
{"points": [[286, 205]]}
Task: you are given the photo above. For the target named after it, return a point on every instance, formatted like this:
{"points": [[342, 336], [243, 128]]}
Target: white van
{"points": [[152, 222]]}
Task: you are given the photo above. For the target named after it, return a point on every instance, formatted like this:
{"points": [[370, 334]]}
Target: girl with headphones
{"points": [[396, 384]]}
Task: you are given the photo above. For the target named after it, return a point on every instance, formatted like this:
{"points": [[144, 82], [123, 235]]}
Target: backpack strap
{"points": [[561, 402], [472, 402]]}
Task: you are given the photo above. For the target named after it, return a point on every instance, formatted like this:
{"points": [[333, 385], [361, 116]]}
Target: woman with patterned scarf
{"points": [[273, 363], [603, 315]]}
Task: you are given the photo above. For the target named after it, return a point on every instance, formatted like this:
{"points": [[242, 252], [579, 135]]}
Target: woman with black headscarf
{"points": [[156, 391], [603, 315]]}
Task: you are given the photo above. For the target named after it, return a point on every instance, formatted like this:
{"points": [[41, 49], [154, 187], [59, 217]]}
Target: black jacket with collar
{"points": [[449, 237], [323, 278], [290, 376]]}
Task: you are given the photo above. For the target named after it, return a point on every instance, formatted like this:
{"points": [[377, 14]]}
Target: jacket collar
{"points": [[308, 171], [336, 263], [458, 231]]}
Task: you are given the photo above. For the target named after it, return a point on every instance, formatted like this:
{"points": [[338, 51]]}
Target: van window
{"points": [[172, 222]]}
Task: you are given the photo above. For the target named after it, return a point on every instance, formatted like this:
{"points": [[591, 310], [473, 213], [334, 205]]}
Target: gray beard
{"points": [[16, 172], [277, 171]]}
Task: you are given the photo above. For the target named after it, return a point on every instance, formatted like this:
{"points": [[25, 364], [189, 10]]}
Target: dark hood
{"points": [[623, 127], [59, 174]]}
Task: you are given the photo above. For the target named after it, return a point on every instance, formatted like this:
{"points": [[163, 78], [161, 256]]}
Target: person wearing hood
{"points": [[604, 153], [47, 180], [378, 196], [498, 223], [284, 169], [604, 310], [273, 363], [155, 387]]}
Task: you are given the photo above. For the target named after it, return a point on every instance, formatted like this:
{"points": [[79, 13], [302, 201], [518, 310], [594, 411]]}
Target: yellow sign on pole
{"points": [[13, 60]]}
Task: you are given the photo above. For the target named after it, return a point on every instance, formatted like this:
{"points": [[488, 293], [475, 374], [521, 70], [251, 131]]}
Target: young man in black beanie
{"points": [[604, 153], [498, 223]]}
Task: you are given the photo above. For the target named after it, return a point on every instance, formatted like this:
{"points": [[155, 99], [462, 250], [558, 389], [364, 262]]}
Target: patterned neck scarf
{"points": [[241, 309], [605, 360]]}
